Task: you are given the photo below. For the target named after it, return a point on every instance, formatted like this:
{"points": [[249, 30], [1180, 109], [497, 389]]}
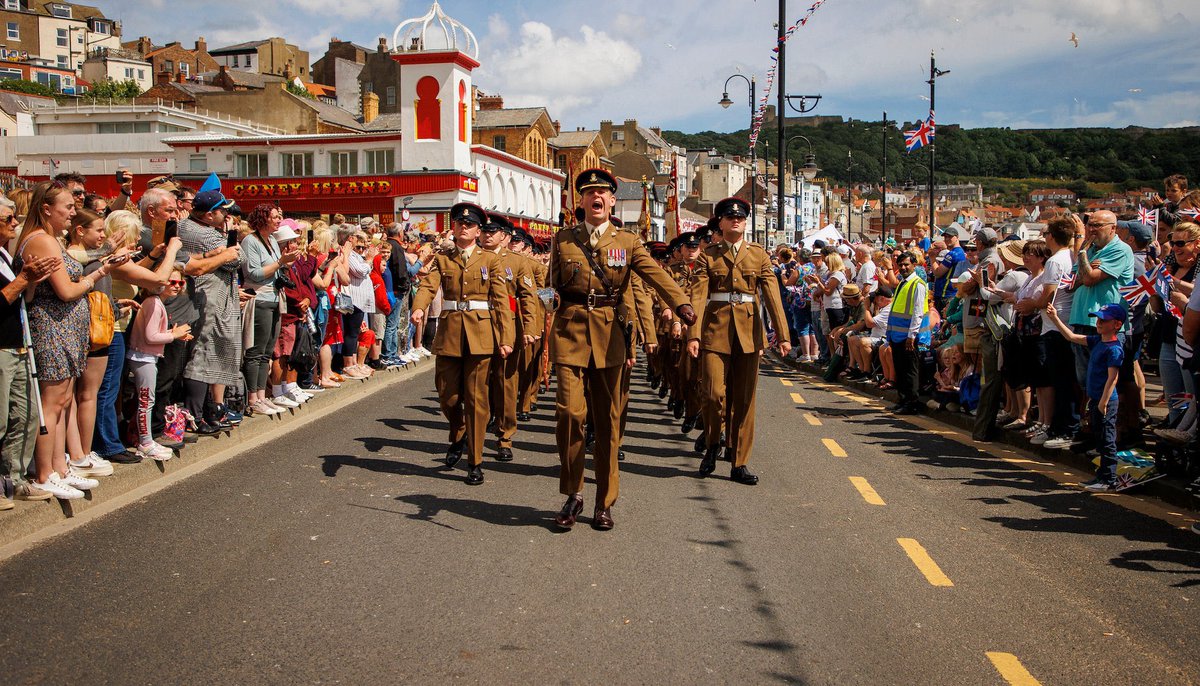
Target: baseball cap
{"points": [[367, 222], [1113, 312], [952, 230], [211, 200], [1136, 229]]}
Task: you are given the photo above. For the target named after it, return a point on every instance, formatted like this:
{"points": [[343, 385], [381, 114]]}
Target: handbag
{"points": [[102, 324], [304, 354], [342, 302]]}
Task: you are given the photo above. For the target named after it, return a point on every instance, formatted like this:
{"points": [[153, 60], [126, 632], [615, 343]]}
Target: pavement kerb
{"points": [[1168, 489], [33, 521]]}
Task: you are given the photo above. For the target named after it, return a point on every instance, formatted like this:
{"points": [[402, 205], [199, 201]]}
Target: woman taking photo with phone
{"points": [[59, 320]]}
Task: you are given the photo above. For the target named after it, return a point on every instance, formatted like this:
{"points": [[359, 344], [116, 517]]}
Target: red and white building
{"points": [[414, 174]]}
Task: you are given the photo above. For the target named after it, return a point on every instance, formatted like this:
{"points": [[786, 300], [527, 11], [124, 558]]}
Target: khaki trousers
{"points": [[579, 388], [462, 386], [531, 364], [505, 386], [729, 385]]}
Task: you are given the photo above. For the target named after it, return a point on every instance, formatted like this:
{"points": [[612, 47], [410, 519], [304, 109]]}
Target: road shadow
{"points": [[332, 464]]}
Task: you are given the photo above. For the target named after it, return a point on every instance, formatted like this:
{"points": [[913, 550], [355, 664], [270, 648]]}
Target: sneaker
{"points": [[58, 488], [27, 490], [312, 388], [1196, 528], [1098, 486], [424, 352], [953, 407], [295, 390], [6, 503], [1058, 443], [264, 408], [1033, 429], [92, 465], [157, 452], [298, 396], [933, 404], [76, 480], [284, 401], [1175, 435], [1040, 437], [233, 417], [127, 457]]}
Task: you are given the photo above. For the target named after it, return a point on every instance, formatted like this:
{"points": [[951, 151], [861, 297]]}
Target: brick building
{"points": [[270, 56], [574, 151], [173, 58]]}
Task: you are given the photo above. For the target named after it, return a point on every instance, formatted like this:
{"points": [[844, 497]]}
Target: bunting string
{"points": [[766, 97]]}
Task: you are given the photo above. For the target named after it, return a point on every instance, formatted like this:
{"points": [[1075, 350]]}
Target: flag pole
{"points": [[932, 146]]}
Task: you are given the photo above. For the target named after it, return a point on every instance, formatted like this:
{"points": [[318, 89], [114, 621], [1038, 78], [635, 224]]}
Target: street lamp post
{"points": [[849, 193], [808, 172], [934, 73], [786, 100], [726, 102]]}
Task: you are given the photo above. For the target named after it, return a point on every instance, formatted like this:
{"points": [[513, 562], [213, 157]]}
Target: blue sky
{"points": [[664, 62]]}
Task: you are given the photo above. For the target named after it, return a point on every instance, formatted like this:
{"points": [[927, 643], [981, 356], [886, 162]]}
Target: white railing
{"points": [[111, 105]]}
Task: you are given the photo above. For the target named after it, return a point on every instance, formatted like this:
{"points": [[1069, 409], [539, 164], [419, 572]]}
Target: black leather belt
{"points": [[591, 300]]}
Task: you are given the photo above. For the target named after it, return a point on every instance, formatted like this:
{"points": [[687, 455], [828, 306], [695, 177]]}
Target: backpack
{"points": [[102, 324], [968, 391]]}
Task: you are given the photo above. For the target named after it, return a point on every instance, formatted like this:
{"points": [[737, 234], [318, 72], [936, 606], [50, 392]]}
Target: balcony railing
{"points": [[111, 105]]}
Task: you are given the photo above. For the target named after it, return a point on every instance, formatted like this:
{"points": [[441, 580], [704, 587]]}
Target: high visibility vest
{"points": [[908, 303]]}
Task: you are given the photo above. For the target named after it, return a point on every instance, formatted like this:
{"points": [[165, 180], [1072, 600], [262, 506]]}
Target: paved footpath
{"points": [[874, 551]]}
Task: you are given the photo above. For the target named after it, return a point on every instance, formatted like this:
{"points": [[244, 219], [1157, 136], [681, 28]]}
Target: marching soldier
{"points": [[688, 372], [730, 277], [531, 354], [590, 268], [514, 273], [475, 324]]}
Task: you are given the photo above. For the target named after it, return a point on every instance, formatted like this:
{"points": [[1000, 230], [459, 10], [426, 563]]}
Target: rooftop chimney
{"points": [[491, 102], [557, 127], [370, 107], [382, 45], [163, 78], [201, 44]]}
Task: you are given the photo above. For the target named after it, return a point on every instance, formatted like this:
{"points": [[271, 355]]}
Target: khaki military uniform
{"points": [[531, 355], [686, 368], [513, 271], [732, 336], [467, 337], [588, 346]]}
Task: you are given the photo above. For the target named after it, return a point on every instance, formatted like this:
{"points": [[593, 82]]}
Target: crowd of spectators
{"points": [[1053, 336], [149, 323]]}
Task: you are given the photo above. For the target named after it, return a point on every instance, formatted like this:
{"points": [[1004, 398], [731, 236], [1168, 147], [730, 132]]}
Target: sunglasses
{"points": [[1180, 244], [11, 219], [176, 282], [78, 193], [1094, 225], [360, 248]]}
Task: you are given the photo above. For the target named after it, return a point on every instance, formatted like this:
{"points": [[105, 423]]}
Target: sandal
{"points": [[886, 386]]}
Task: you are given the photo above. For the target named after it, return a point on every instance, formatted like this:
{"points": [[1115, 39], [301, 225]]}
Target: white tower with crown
{"points": [[436, 55]]}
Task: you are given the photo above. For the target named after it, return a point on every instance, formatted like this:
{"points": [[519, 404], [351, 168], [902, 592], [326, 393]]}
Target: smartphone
{"points": [[231, 239], [170, 230], [311, 234], [158, 231], [120, 176]]}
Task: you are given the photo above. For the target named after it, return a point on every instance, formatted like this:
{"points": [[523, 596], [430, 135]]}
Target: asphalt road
{"points": [[345, 553]]}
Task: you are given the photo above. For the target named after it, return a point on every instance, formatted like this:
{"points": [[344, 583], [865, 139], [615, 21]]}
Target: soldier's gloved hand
{"points": [[686, 313]]}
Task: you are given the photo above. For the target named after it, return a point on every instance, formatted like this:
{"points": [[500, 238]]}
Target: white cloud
{"points": [[563, 73]]}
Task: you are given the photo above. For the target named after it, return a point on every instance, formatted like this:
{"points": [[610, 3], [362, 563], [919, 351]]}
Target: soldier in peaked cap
{"points": [[729, 337], [514, 272], [590, 266], [688, 406], [475, 324]]}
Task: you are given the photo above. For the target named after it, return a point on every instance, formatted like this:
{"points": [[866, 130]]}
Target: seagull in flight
{"points": [[1073, 39], [1135, 90]]}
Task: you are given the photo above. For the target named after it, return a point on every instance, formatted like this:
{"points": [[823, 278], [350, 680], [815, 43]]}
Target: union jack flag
{"points": [[1148, 217], [1162, 288], [1194, 215], [1067, 281], [920, 136], [1141, 288]]}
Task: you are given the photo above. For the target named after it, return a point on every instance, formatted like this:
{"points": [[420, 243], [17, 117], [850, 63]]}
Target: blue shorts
{"points": [[802, 321]]}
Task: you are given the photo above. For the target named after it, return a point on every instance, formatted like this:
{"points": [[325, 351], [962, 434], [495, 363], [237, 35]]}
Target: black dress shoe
{"points": [[127, 457], [533, 407], [565, 519], [708, 465], [524, 416], [475, 476], [689, 423], [602, 519], [504, 455], [743, 476], [662, 391], [653, 383], [455, 451], [907, 409], [701, 444], [491, 423], [679, 408], [620, 456], [699, 421]]}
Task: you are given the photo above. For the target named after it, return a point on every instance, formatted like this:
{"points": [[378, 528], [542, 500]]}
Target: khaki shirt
{"points": [[719, 324], [470, 332]]}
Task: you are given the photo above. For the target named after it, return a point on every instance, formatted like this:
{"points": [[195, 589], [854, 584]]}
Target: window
{"points": [[79, 38], [185, 69], [562, 161], [618, 136], [296, 164], [14, 31], [63, 11], [129, 72], [169, 66], [197, 164], [62, 38], [63, 63], [369, 87], [172, 128], [498, 143], [381, 161], [124, 127], [250, 165], [141, 74], [12, 4], [6, 74], [391, 95], [102, 27], [235, 60], [344, 163]]}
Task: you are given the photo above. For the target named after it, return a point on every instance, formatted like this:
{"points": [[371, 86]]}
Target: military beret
{"points": [[468, 212], [595, 178], [732, 207]]}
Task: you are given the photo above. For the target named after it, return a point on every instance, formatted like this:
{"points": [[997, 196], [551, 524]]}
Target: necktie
{"points": [[595, 238]]}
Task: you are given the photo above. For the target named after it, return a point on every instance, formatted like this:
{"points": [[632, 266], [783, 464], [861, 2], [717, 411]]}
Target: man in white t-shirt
{"points": [[865, 277], [862, 347], [1054, 353]]}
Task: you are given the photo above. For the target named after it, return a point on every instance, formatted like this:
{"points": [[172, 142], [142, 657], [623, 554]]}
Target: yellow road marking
{"points": [[785, 382], [797, 398], [811, 419], [865, 490], [835, 449], [1012, 670], [921, 559]]}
